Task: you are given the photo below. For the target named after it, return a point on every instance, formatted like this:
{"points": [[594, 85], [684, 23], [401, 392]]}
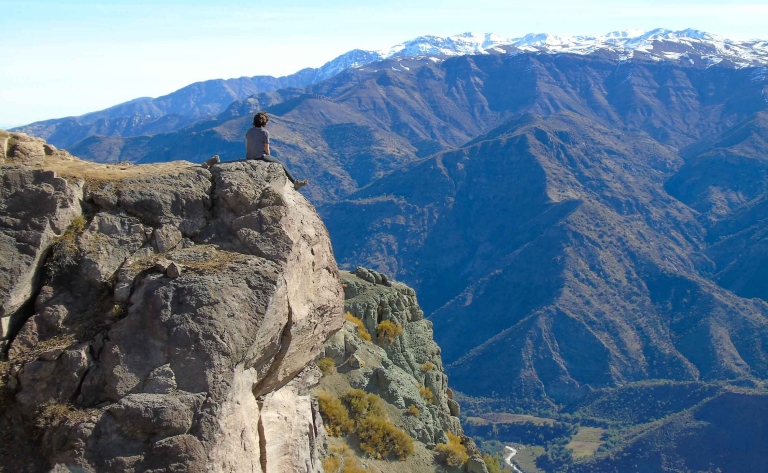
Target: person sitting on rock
{"points": [[257, 146]]}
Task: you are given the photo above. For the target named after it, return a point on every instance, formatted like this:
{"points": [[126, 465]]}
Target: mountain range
{"points": [[576, 220], [149, 116]]}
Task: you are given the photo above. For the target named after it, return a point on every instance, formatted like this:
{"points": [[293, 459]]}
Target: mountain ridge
{"points": [[149, 116]]}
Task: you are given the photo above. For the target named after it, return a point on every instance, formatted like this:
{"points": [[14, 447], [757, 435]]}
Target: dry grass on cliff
{"points": [[363, 404], [426, 394], [454, 452], [95, 174], [362, 332], [379, 438], [202, 259], [207, 259], [335, 415], [387, 331], [327, 366], [25, 354], [67, 242], [55, 413], [364, 414], [342, 459]]}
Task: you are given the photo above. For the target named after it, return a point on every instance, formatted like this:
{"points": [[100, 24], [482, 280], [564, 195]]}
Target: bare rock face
{"points": [[121, 366], [285, 422], [36, 207]]}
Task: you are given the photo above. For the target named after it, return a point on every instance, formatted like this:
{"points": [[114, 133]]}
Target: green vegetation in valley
{"points": [[526, 432], [610, 429], [586, 441], [526, 458], [639, 403]]}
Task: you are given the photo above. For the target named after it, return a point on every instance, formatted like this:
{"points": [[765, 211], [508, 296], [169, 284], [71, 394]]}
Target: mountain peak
{"points": [[457, 45], [623, 43]]}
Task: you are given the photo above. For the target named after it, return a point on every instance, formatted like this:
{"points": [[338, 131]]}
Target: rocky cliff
{"points": [[159, 318], [404, 371]]}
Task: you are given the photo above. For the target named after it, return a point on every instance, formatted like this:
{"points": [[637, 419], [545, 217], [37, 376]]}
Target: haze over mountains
{"points": [[578, 215]]}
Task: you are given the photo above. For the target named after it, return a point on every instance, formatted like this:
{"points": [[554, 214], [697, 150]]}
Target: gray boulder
{"points": [[24, 149], [36, 207], [475, 464]]}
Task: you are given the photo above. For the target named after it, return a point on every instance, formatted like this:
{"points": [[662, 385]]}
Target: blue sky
{"points": [[68, 58]]}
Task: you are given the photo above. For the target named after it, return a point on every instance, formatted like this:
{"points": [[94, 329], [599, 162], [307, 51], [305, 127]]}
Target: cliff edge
{"points": [[159, 317], [385, 357]]}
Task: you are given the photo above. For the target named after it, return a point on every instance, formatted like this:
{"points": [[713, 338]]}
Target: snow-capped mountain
{"points": [[352, 59], [205, 99], [658, 44], [467, 43]]}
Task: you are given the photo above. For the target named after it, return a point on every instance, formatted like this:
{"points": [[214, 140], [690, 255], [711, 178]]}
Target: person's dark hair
{"points": [[260, 119]]}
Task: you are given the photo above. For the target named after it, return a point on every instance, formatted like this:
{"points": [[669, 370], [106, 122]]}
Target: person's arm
{"points": [[266, 142], [266, 148]]}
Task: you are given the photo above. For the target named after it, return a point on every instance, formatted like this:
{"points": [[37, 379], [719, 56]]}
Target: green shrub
{"points": [[362, 332], [454, 451], [362, 404], [426, 394], [379, 438], [335, 415], [326, 365], [387, 331]]}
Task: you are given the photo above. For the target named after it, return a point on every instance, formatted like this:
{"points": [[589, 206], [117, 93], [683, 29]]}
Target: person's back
{"points": [[255, 142], [257, 146]]}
